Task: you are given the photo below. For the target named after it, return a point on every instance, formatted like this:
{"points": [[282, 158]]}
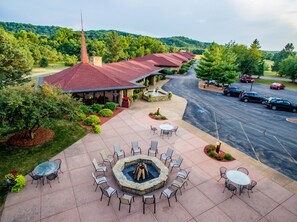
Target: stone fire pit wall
{"points": [[140, 188]]}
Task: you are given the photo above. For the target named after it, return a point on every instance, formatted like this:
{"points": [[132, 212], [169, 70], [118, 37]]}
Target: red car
{"points": [[277, 86], [246, 79]]}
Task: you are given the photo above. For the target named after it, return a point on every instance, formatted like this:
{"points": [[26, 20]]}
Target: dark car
{"points": [[281, 104], [232, 91], [252, 97], [246, 79], [276, 85]]}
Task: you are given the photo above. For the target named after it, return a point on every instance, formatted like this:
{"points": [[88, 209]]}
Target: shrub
{"points": [[157, 78], [210, 148], [162, 77], [219, 157], [43, 62], [157, 117], [105, 113], [212, 154], [146, 83], [136, 91], [97, 129], [85, 109], [134, 97], [163, 118], [150, 98], [92, 120], [228, 156], [96, 107], [82, 116], [170, 95], [110, 105], [151, 113], [20, 183]]}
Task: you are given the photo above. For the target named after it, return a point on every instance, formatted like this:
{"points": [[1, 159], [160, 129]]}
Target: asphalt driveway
{"points": [[261, 133]]}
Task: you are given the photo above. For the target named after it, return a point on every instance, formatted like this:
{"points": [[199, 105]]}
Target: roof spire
{"points": [[83, 51]]}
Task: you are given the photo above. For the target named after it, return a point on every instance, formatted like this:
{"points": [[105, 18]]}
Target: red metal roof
{"points": [[87, 77]]}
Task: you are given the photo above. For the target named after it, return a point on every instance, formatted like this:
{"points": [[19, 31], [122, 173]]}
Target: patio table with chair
{"points": [[239, 178], [166, 129], [45, 169]]}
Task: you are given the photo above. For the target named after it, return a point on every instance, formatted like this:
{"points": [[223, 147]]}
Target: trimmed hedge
{"points": [[85, 109], [97, 129], [110, 105], [106, 113], [96, 107], [92, 120]]}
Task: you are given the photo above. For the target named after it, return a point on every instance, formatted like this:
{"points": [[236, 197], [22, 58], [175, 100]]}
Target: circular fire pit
{"points": [[124, 173]]}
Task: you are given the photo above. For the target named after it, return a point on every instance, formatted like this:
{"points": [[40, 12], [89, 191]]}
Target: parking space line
{"points": [[249, 141], [215, 120], [285, 149]]}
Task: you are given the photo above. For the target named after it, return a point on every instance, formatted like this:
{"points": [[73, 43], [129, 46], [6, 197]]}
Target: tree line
{"points": [[224, 63]]}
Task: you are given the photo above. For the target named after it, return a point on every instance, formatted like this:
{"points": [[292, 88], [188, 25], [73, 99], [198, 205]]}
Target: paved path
{"points": [[74, 199]]}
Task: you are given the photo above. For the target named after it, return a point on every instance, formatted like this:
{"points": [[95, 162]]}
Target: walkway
{"points": [[74, 199]]}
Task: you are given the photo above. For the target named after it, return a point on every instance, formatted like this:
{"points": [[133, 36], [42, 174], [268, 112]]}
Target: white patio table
{"points": [[239, 178]]}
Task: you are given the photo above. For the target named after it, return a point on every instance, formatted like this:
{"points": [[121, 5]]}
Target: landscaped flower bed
{"points": [[157, 115], [210, 150]]}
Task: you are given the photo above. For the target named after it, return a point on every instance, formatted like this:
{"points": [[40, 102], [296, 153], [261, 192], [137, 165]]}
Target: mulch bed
{"points": [[159, 118], [41, 136], [222, 153], [210, 87], [103, 119]]}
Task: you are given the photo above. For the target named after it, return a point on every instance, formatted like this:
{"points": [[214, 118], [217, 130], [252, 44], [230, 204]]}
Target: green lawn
{"points": [[289, 85], [25, 159], [51, 68]]}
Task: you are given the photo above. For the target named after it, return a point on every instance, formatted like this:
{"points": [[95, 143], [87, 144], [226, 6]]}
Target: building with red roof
{"points": [[96, 82]]}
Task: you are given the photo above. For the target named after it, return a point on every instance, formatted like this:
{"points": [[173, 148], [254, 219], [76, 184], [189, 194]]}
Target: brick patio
{"points": [[74, 199]]}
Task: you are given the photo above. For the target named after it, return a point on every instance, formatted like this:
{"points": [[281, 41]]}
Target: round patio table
{"points": [[166, 126], [239, 178], [46, 168]]}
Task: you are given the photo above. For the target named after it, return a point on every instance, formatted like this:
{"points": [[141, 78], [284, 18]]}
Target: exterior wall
{"points": [[152, 80], [121, 94], [129, 92], [96, 61]]}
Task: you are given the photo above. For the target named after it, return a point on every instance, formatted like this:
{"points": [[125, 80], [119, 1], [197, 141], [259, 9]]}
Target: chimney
{"points": [[96, 61]]}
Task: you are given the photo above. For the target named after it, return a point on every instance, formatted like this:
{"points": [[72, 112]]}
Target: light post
{"points": [[251, 85]]}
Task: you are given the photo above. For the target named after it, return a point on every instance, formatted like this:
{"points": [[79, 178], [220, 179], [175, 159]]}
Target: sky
{"points": [[272, 22]]}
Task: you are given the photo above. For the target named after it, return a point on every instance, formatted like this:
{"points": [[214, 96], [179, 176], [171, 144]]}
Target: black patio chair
{"points": [[35, 177], [250, 187], [244, 170], [52, 177], [59, 162], [223, 171], [154, 129], [231, 188]]}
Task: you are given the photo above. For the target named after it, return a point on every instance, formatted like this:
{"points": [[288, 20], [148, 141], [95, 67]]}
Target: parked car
{"points": [[246, 79], [252, 97], [277, 85], [281, 104], [232, 91]]}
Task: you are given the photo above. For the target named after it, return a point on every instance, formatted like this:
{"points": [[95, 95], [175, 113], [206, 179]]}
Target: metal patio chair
{"points": [[244, 170], [149, 199], [169, 193], [176, 163], [153, 148], [106, 158], [223, 171], [167, 156], [107, 191], [135, 148], [98, 180], [231, 188], [126, 199], [99, 168], [250, 187], [118, 152]]}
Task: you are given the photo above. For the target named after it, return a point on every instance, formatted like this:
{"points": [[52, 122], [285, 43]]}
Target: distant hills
{"points": [[177, 41]]}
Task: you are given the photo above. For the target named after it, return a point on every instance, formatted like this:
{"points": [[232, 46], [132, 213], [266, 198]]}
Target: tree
{"points": [[25, 108], [218, 63], [287, 51], [15, 62], [288, 67], [114, 47], [43, 62], [70, 60]]}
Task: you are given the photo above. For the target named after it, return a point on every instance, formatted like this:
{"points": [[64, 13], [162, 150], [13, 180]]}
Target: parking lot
{"points": [[261, 133]]}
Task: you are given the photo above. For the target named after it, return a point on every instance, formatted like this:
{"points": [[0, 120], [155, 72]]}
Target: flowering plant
{"points": [[15, 181], [126, 98]]}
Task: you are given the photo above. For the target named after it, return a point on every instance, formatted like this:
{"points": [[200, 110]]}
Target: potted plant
{"points": [[15, 181]]}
